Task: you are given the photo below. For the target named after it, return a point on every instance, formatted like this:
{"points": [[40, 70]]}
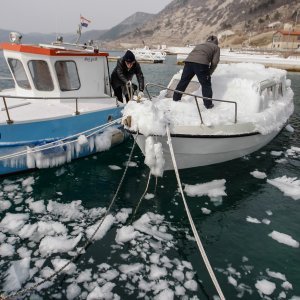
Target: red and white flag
{"points": [[84, 22]]}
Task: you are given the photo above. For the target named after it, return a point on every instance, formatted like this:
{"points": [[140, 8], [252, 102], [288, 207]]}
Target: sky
{"points": [[62, 16]]}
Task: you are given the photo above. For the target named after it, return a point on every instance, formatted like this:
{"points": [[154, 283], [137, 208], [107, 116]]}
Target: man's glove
{"points": [[140, 94]]}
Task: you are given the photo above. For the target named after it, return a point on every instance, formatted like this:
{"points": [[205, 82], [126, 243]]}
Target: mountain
{"points": [[35, 37], [184, 22], [190, 21], [130, 24]]}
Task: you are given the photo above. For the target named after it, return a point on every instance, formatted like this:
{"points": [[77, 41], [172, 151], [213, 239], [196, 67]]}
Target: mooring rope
{"points": [[142, 197], [196, 235], [54, 143], [87, 243]]}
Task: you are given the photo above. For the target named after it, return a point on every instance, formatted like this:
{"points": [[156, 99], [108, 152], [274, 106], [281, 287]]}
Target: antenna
{"points": [[78, 33]]}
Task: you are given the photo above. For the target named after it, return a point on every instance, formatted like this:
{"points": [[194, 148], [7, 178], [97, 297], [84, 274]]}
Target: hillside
{"points": [[190, 21], [130, 24]]}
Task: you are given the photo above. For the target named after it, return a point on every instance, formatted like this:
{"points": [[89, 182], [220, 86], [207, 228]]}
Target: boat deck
{"points": [[22, 110]]}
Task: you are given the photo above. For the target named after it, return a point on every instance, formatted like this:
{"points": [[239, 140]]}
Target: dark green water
{"points": [[235, 247]]}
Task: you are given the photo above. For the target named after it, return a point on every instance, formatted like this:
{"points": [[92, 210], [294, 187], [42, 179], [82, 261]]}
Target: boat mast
{"points": [[78, 33]]}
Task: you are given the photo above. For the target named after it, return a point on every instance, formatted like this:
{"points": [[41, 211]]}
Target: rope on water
{"points": [[85, 246], [200, 246], [142, 197], [54, 144]]}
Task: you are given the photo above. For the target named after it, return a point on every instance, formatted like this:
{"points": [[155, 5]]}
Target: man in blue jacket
{"points": [[202, 61], [123, 73]]}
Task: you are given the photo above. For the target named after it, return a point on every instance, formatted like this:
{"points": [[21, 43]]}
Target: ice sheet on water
{"points": [[290, 186], [258, 174], [284, 239]]}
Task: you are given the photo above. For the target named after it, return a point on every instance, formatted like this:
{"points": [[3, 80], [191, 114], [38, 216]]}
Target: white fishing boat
{"points": [[259, 102], [60, 108], [149, 55]]}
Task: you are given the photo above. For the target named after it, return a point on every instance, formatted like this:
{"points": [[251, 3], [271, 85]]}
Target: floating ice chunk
{"points": [[105, 226], [252, 220], [149, 196], [110, 275], [215, 188], [73, 291], [284, 239], [126, 234], [4, 205], [114, 167], [131, 269], [123, 215], [276, 275], [12, 223], [289, 186], [187, 265], [205, 210], [24, 252], [179, 290], [84, 276], [276, 153], [6, 250], [265, 287], [258, 174], [156, 272], [132, 164], [146, 286], [68, 212], [191, 285], [37, 207], [10, 188], [58, 244], [289, 128], [16, 275], [177, 274], [28, 181], [232, 281], [287, 285], [143, 224], [266, 221], [104, 292], [166, 294], [58, 263]]}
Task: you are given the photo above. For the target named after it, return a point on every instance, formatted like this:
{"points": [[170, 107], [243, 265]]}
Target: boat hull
{"points": [[30, 136], [195, 151]]}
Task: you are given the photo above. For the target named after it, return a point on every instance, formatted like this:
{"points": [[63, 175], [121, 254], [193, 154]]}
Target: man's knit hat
{"points": [[129, 56]]}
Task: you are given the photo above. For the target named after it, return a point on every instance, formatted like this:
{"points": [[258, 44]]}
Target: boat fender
{"points": [[127, 121]]}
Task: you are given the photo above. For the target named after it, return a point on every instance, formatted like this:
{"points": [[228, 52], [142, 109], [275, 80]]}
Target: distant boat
{"points": [[61, 107], [147, 55], [260, 104]]}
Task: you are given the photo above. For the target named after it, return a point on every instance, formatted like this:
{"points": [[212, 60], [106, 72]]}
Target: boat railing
{"points": [[7, 108], [195, 97]]}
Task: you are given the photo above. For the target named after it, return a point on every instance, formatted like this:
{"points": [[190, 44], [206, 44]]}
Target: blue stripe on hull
{"points": [[16, 137], [55, 128]]}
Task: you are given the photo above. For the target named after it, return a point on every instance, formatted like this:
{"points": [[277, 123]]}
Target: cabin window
{"points": [[40, 74], [67, 75], [19, 73]]}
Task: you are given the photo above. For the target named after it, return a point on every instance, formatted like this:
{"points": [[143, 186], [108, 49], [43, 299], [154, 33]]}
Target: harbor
{"points": [[245, 212]]}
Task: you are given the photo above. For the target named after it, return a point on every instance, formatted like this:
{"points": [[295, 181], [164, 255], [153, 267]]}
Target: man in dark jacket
{"points": [[202, 61], [123, 73]]}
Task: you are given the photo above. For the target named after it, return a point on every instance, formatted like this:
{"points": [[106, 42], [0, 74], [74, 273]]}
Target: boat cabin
{"points": [[58, 70]]}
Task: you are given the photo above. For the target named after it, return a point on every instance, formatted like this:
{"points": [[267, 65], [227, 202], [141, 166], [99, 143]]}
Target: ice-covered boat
{"points": [[60, 106], [149, 55], [259, 104]]}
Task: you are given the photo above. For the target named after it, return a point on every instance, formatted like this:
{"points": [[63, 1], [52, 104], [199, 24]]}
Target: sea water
{"points": [[247, 219]]}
